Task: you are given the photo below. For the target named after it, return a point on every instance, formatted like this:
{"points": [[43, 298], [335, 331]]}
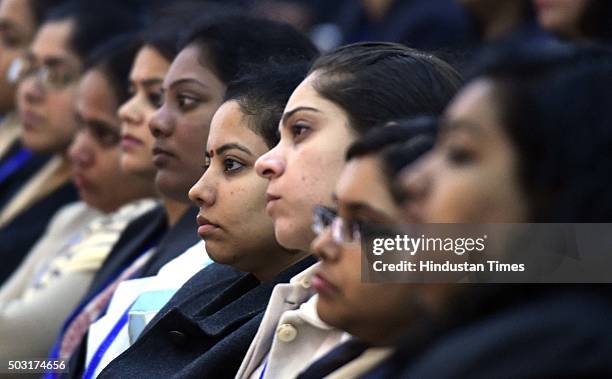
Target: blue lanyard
{"points": [[263, 370], [55, 351], [14, 163], [106, 343]]}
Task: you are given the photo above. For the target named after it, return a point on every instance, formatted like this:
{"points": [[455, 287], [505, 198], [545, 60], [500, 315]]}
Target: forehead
{"points": [[228, 125], [17, 11], [51, 41], [474, 103], [95, 96], [305, 95], [356, 172], [149, 63], [186, 65]]}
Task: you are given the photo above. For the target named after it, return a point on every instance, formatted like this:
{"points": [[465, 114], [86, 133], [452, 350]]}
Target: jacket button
{"points": [[178, 338], [306, 283], [286, 332]]}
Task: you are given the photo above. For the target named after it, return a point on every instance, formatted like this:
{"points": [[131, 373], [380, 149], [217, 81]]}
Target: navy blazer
{"points": [[205, 330], [566, 334], [15, 181], [144, 232]]}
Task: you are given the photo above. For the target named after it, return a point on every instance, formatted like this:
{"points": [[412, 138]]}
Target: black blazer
{"points": [[146, 231], [19, 235], [13, 183], [565, 334], [204, 331]]}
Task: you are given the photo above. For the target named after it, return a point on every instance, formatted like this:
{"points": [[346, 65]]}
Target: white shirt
{"points": [[170, 277]]}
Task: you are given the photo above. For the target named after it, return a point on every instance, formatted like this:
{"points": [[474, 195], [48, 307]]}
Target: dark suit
{"points": [[146, 231], [567, 334], [13, 182], [204, 331], [20, 234]]}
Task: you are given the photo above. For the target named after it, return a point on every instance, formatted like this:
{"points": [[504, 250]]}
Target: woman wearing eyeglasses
{"points": [[56, 273], [45, 98], [347, 92], [505, 154]]}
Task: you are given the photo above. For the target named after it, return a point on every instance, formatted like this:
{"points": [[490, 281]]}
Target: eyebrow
{"points": [[471, 127], [230, 146], [93, 123], [187, 81], [290, 113], [8, 24], [148, 82]]}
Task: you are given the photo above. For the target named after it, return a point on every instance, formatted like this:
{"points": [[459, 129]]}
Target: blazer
{"points": [[13, 183], [19, 235], [565, 334], [291, 336], [142, 233], [205, 330]]}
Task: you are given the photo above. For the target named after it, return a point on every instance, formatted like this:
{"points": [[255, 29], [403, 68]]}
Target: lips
{"points": [[30, 120], [271, 199], [323, 286], [205, 227], [161, 156], [128, 142]]}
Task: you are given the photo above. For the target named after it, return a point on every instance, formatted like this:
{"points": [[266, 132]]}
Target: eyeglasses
{"points": [[54, 77], [343, 232]]}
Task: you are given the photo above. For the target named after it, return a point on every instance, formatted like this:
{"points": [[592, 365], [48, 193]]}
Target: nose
{"points": [[324, 247], [162, 124], [270, 165], [81, 151], [202, 193], [31, 91], [129, 113]]}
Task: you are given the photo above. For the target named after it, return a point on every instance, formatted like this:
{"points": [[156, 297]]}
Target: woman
{"points": [[347, 92], [60, 267], [509, 154], [576, 20], [237, 232]]}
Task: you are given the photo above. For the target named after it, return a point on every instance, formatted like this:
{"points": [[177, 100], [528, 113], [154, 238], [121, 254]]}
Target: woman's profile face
{"points": [[146, 78], [95, 153], [561, 16], [471, 176], [338, 277], [231, 196], [303, 168], [192, 94]]}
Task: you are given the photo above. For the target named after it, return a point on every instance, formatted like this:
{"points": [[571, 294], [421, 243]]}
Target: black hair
{"points": [[40, 8], [263, 93], [596, 22], [555, 104], [169, 22], [114, 59], [94, 23], [376, 82], [229, 43], [398, 144]]}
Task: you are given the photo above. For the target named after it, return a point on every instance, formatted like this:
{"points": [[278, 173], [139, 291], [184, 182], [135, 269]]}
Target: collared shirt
{"points": [[291, 335], [170, 277]]}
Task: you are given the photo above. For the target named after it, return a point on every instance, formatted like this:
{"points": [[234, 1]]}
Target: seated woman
{"points": [[508, 154], [205, 329], [56, 273], [348, 92]]}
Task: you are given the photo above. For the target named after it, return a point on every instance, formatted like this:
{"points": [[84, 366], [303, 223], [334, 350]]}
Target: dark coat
{"points": [[13, 183], [144, 232], [204, 331], [565, 334], [18, 236]]}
